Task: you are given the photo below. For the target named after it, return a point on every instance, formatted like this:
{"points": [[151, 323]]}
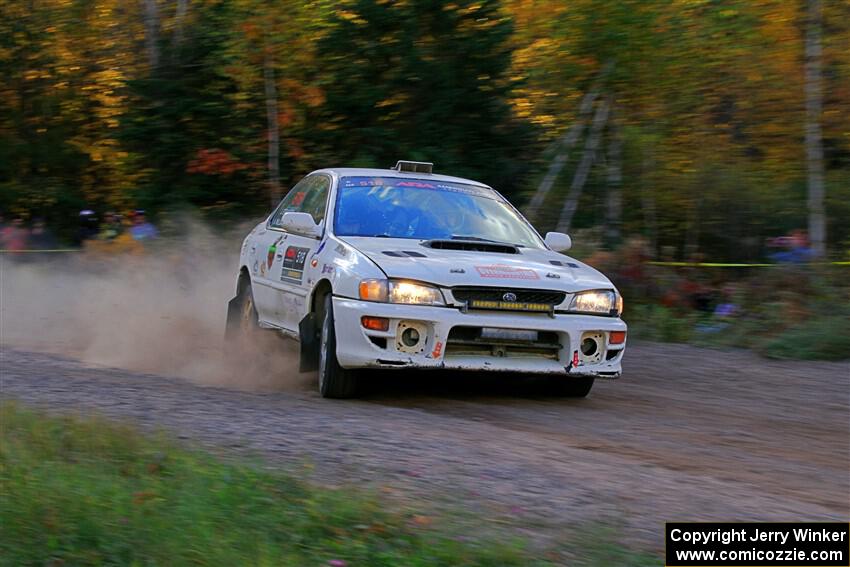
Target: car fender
{"points": [[344, 267]]}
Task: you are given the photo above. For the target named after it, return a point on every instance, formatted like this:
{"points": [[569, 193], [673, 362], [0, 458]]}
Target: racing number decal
{"points": [[293, 264]]}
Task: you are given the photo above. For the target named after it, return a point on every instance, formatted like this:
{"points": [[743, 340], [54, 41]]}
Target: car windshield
{"points": [[428, 210]]}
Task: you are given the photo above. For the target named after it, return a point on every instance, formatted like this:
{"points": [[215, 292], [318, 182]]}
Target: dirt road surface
{"points": [[688, 435]]}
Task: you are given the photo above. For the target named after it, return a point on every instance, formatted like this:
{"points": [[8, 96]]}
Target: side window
{"points": [[310, 195], [316, 201]]}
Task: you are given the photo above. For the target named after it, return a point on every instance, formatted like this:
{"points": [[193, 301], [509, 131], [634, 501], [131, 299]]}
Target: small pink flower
{"points": [[337, 563]]}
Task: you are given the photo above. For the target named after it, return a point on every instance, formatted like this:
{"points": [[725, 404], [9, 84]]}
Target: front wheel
{"points": [[334, 380], [570, 386]]}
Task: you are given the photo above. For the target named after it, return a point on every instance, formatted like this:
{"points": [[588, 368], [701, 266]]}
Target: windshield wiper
{"points": [[479, 239]]}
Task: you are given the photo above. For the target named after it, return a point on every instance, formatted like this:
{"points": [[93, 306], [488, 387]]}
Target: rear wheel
{"points": [[334, 380], [570, 386]]}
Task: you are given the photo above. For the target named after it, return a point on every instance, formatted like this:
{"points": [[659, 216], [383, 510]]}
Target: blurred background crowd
{"points": [[653, 131]]}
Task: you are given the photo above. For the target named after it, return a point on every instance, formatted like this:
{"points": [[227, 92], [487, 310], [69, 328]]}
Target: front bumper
{"points": [[439, 347]]}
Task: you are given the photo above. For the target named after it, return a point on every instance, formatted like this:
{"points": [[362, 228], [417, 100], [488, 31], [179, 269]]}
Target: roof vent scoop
{"points": [[414, 166]]}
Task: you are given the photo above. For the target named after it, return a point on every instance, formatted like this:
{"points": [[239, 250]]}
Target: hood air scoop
{"points": [[402, 253], [471, 245]]}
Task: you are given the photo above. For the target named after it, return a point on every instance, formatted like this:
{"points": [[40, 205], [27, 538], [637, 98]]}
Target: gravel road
{"points": [[688, 434]]}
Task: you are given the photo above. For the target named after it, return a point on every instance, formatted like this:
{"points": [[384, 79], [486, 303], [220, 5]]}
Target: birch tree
{"points": [[614, 163], [151, 15], [270, 88], [583, 169], [814, 143]]}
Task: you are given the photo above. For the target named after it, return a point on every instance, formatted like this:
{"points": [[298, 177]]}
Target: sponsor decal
{"points": [[271, 252], [507, 272], [327, 269], [575, 359], [393, 182], [509, 305], [420, 184], [341, 250], [314, 260], [256, 265], [293, 264]]}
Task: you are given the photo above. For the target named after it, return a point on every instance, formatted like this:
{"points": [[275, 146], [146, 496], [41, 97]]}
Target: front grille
{"points": [[471, 341], [539, 296]]}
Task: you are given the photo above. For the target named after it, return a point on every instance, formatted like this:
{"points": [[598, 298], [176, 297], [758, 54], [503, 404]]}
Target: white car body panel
{"points": [[442, 267], [287, 269]]}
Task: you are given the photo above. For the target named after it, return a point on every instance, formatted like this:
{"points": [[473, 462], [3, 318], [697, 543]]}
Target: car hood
{"points": [[531, 268]]}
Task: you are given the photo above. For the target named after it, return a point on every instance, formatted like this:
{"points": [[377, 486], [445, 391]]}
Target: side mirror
{"points": [[558, 241], [300, 223]]}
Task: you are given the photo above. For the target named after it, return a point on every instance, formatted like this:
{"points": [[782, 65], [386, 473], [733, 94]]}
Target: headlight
{"points": [[602, 302], [400, 291]]}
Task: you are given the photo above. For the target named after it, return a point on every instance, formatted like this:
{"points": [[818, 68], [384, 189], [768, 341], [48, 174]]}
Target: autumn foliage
{"points": [[702, 145]]}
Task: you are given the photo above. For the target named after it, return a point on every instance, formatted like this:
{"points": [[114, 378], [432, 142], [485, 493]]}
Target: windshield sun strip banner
{"points": [[414, 183]]}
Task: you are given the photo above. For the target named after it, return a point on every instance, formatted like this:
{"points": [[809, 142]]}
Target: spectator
{"points": [[14, 236], [795, 248], [142, 229], [40, 236], [112, 228], [88, 228], [694, 287]]}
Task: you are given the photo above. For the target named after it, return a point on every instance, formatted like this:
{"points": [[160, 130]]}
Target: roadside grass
{"points": [[785, 315], [87, 491], [823, 336]]}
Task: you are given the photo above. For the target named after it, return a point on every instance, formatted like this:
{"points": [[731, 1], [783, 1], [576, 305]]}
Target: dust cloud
{"points": [[162, 311]]}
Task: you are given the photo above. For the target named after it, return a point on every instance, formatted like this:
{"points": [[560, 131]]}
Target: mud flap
{"points": [[308, 331], [231, 328]]}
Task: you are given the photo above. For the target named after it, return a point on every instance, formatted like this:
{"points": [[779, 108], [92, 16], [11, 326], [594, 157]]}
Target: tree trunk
{"points": [[273, 131], [180, 18], [567, 142], [650, 220], [583, 169], [814, 143], [151, 32], [614, 209]]}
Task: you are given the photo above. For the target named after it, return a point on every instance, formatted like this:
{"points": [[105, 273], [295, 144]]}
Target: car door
{"points": [[292, 251], [266, 288]]}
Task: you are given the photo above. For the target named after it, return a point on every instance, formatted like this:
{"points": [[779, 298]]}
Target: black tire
{"points": [[570, 386], [334, 380]]}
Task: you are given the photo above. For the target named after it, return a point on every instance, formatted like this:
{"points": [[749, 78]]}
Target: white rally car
{"points": [[403, 268]]}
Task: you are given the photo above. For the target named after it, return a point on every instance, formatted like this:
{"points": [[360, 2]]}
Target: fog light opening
{"points": [[589, 347], [410, 337]]}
